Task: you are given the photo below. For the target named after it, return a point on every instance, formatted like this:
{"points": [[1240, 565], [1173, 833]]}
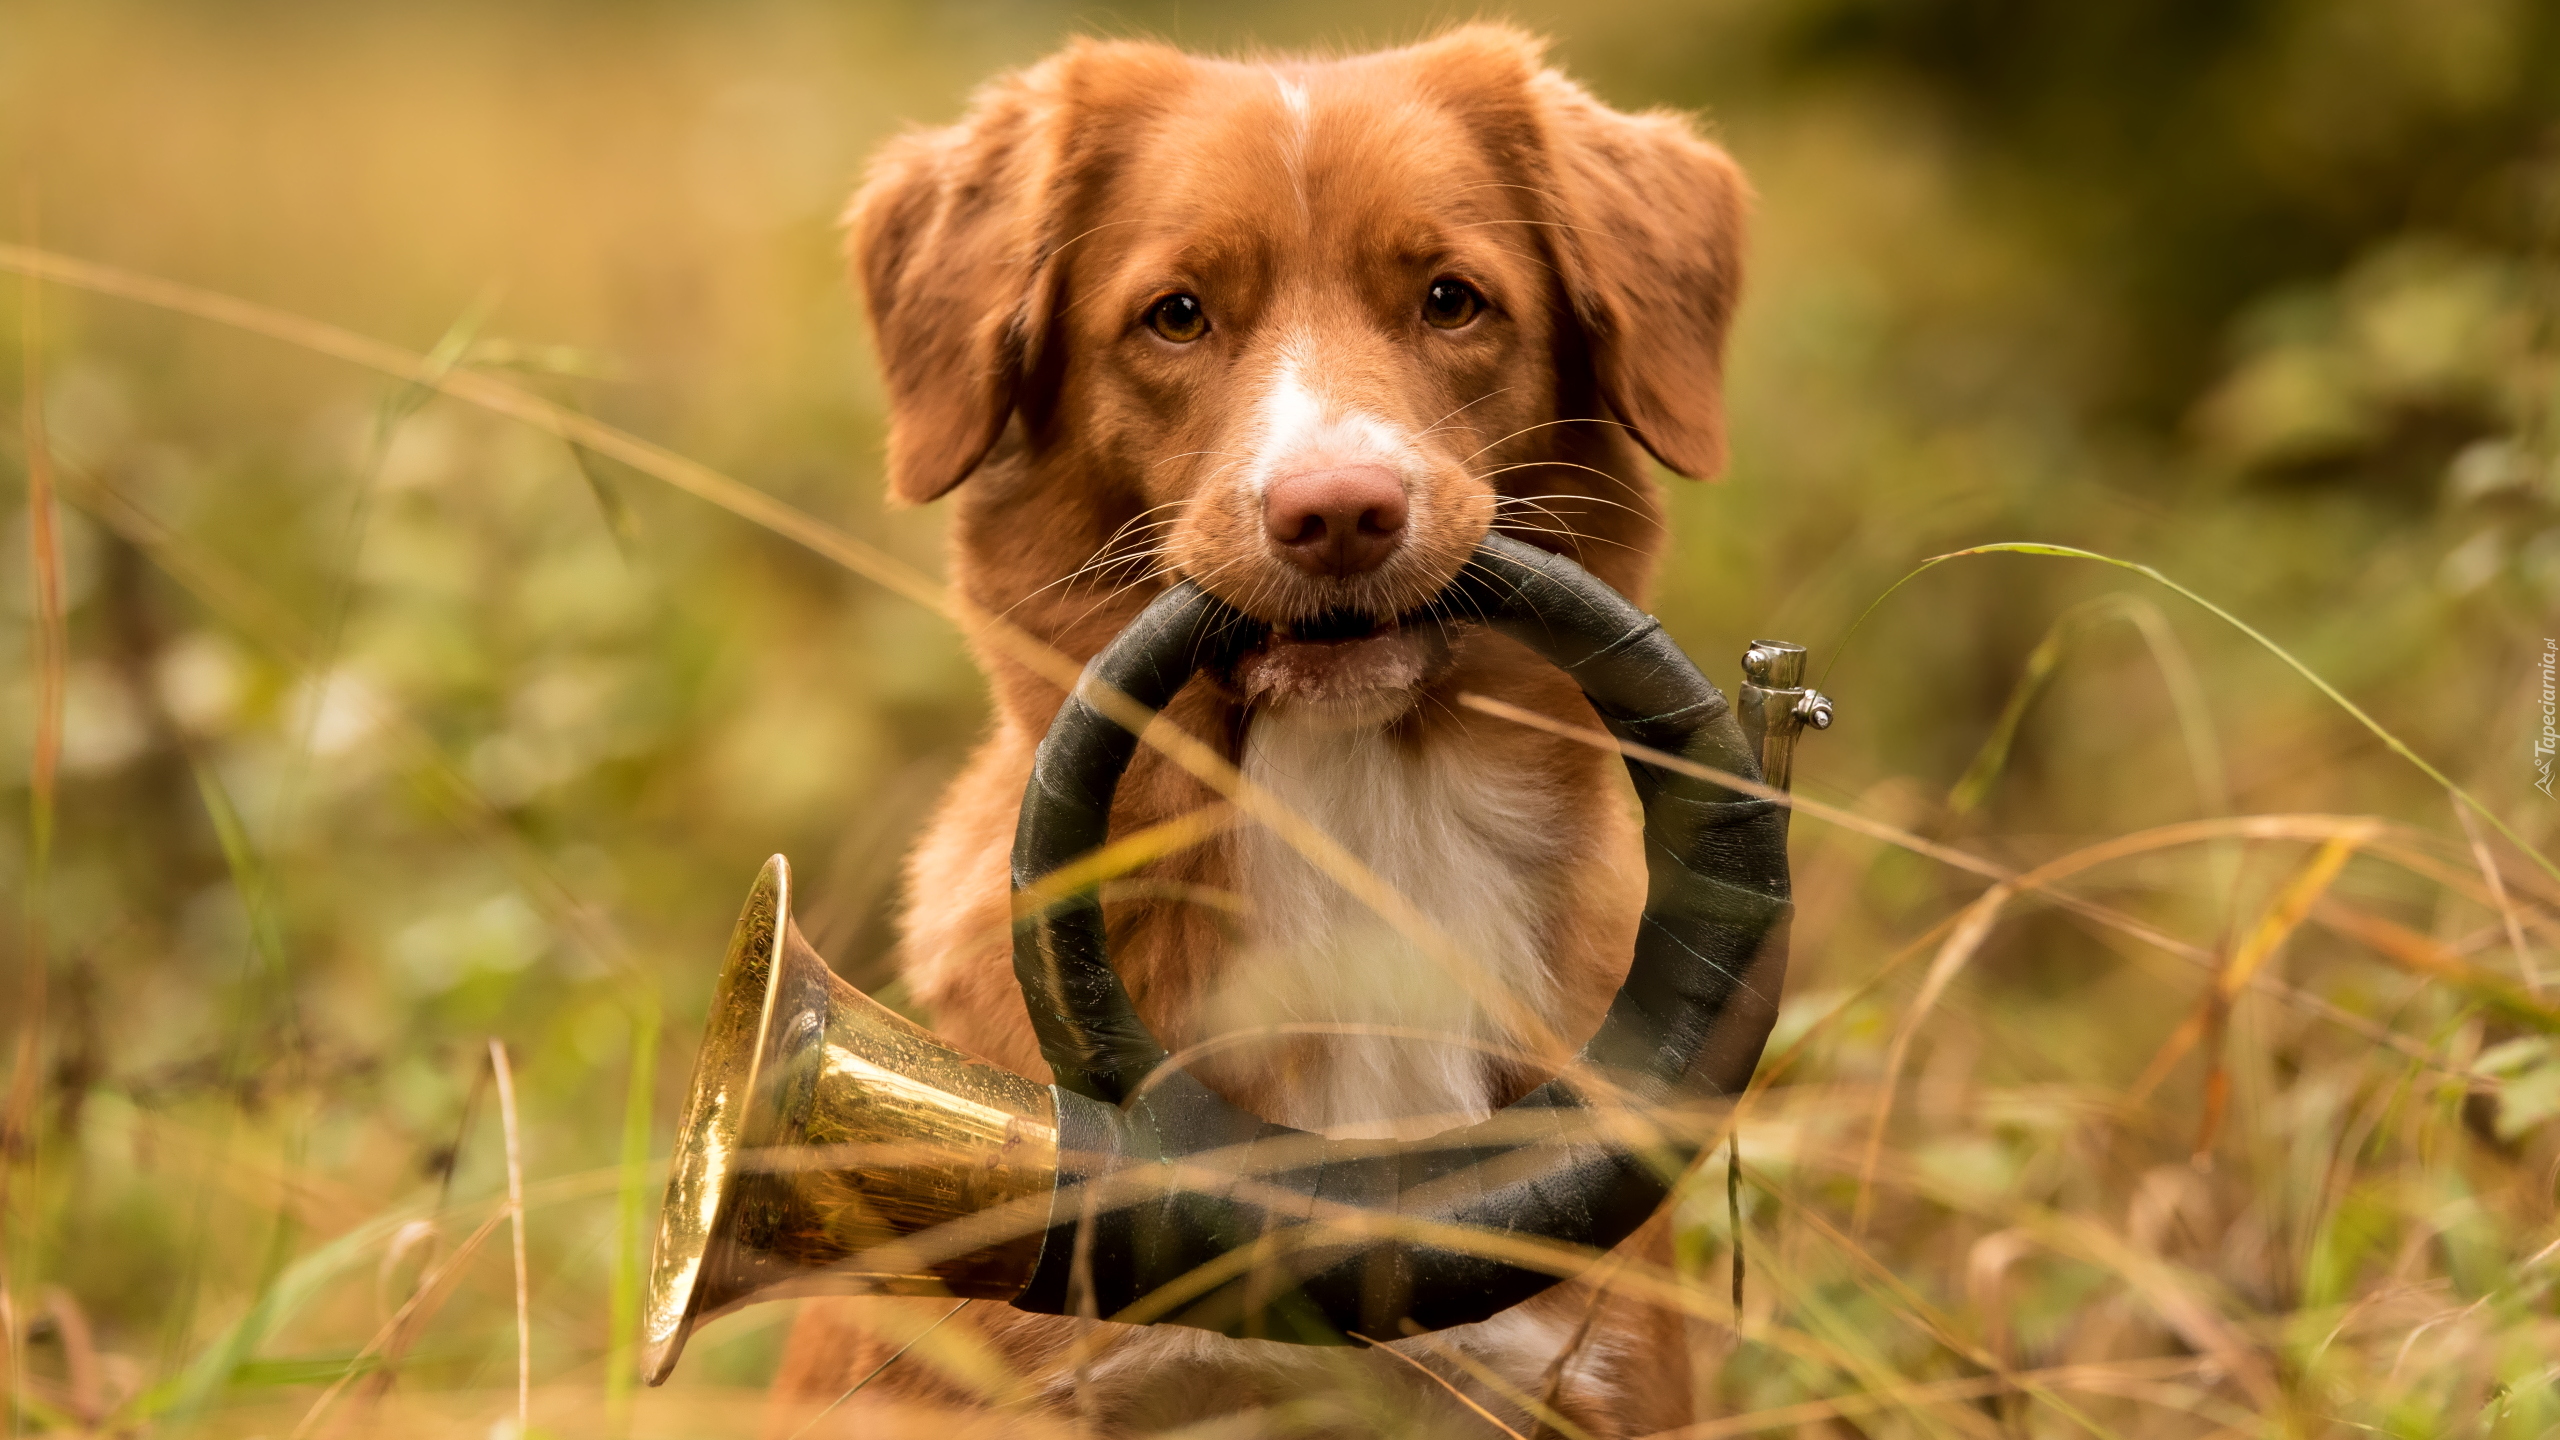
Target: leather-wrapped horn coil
{"points": [[1177, 1202]]}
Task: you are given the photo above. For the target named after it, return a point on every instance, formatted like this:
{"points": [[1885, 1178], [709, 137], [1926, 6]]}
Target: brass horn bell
{"points": [[824, 1135]]}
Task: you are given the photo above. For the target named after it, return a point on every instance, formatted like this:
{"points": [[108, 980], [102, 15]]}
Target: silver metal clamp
{"points": [[1775, 707]]}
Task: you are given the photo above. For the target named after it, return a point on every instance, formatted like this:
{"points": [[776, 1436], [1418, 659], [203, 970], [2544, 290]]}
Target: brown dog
{"points": [[1302, 332]]}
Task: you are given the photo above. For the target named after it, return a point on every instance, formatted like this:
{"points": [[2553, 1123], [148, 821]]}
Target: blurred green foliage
{"points": [[391, 725]]}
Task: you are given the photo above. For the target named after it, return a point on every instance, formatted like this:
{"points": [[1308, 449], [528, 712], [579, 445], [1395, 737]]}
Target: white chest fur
{"points": [[1481, 855], [1475, 852]]}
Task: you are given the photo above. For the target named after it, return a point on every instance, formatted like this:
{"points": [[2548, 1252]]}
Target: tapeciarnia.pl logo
{"points": [[2549, 741]]}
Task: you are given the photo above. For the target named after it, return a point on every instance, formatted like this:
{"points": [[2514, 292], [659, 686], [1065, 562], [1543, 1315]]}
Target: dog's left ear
{"points": [[1650, 246]]}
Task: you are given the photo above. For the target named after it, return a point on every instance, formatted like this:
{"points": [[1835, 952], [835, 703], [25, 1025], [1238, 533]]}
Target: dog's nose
{"points": [[1343, 521]]}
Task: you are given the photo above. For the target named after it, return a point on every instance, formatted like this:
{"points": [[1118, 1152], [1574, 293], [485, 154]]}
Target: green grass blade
{"points": [[2397, 746], [1975, 785], [247, 875], [451, 348], [2204, 752], [631, 1254], [185, 1396]]}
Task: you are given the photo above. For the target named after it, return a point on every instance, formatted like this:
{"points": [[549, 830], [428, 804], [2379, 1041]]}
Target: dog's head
{"points": [[1301, 332]]}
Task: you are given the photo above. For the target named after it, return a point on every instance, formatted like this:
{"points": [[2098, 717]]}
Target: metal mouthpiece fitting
{"points": [[1775, 707]]}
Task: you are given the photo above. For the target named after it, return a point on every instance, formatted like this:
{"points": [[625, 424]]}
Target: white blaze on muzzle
{"points": [[1298, 426]]}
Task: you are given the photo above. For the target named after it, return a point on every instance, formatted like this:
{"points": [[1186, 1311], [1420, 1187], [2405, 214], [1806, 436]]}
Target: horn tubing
{"points": [[1688, 1024]]}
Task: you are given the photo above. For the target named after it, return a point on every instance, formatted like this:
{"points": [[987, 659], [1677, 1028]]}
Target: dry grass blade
{"points": [[1971, 930], [2173, 1294], [1236, 1172], [1848, 820], [85, 1389], [2186, 697], [894, 1357], [1443, 1381], [401, 1330], [631, 1218], [1775, 1067], [2265, 938], [1861, 1352], [2466, 883], [1544, 1418], [52, 638], [19, 1113], [515, 1218], [1936, 1392], [2421, 956], [2498, 892], [2181, 1039], [2042, 878], [1118, 858], [1551, 1383], [2184, 1303], [2284, 914], [1332, 1224], [1896, 1294], [2287, 912]]}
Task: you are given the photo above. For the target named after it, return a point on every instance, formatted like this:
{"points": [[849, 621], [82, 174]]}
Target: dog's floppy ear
{"points": [[954, 238], [1649, 240], [945, 240]]}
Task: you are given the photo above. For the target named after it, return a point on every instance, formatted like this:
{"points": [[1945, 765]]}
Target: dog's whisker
{"points": [[1566, 521], [1185, 455], [1549, 511], [1558, 464], [1583, 496], [1563, 529], [1575, 538], [1538, 190], [1546, 424], [1495, 577], [1543, 224], [1060, 248], [1067, 581], [1138, 524], [1435, 425], [1101, 562]]}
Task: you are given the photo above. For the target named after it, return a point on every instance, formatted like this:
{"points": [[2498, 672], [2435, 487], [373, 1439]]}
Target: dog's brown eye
{"points": [[1451, 303], [1179, 318]]}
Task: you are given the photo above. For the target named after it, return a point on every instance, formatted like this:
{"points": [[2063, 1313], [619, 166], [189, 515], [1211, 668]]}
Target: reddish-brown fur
{"points": [[1009, 263]]}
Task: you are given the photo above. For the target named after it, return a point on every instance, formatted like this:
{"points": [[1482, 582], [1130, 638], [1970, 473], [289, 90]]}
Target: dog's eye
{"points": [[1451, 303], [1179, 318]]}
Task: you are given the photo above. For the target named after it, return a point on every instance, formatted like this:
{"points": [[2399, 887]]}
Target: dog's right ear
{"points": [[954, 239], [943, 239]]}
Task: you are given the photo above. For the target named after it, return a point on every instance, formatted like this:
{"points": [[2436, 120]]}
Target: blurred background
{"points": [[391, 726]]}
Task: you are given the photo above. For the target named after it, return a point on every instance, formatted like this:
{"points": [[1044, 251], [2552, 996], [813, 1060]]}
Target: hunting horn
{"points": [[830, 1146]]}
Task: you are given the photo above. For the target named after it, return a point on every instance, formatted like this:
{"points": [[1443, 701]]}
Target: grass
{"points": [[2167, 1053], [1891, 1191]]}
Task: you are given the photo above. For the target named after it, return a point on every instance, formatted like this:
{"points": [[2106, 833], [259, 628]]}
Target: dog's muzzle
{"points": [[830, 1146]]}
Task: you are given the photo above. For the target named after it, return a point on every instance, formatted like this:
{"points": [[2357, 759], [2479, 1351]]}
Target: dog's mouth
{"points": [[1346, 662], [1334, 627]]}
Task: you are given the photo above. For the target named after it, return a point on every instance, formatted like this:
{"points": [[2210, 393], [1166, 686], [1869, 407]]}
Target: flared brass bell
{"points": [[830, 1145]]}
